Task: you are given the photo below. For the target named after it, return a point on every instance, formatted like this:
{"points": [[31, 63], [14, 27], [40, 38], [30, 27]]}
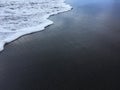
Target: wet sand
{"points": [[80, 51]]}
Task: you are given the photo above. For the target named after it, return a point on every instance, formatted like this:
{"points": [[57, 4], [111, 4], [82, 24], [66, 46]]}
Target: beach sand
{"points": [[80, 51]]}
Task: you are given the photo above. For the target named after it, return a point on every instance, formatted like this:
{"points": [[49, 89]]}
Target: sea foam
{"points": [[20, 17]]}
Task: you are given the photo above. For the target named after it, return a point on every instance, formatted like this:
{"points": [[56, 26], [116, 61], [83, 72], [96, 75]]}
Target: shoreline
{"points": [[80, 51]]}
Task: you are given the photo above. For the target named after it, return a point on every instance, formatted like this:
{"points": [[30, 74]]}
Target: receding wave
{"points": [[20, 17]]}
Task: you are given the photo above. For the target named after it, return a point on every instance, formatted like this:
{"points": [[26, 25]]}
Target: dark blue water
{"points": [[81, 51]]}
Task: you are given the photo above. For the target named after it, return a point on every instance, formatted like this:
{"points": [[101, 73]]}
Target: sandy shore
{"points": [[80, 51]]}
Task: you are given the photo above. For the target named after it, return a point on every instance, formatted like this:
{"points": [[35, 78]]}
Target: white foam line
{"points": [[18, 33]]}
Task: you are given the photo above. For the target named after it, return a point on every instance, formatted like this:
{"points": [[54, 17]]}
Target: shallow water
{"points": [[81, 51]]}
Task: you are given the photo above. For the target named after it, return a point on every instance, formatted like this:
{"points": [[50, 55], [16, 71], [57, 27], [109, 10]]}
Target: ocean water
{"points": [[20, 17]]}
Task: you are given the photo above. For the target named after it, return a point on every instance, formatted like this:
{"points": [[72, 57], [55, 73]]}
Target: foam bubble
{"points": [[20, 17]]}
